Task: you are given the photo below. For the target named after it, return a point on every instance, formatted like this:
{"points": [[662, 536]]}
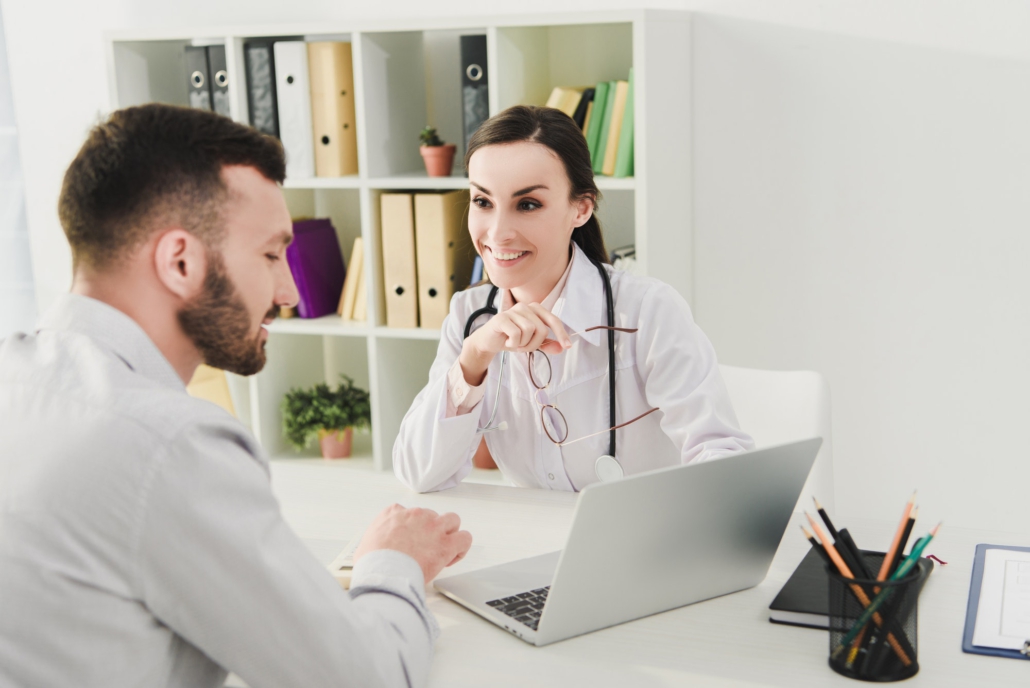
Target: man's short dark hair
{"points": [[154, 165]]}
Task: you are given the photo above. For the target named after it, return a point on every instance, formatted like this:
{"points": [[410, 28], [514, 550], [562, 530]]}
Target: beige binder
{"points": [[355, 277], [361, 301], [399, 276], [444, 252], [615, 130], [331, 72]]}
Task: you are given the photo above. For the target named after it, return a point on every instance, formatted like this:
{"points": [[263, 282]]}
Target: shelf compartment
{"points": [[300, 362], [152, 71], [410, 79], [532, 60], [350, 182]]}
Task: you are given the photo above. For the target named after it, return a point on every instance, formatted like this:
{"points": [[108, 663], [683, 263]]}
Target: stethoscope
{"points": [[606, 467]]}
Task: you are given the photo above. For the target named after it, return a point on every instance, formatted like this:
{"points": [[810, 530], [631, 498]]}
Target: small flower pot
{"points": [[336, 444], [438, 159]]}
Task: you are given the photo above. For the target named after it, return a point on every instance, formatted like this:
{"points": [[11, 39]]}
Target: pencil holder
{"points": [[873, 625]]}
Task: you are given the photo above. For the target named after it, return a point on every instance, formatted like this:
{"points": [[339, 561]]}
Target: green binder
{"points": [[594, 130], [602, 141], [624, 157]]}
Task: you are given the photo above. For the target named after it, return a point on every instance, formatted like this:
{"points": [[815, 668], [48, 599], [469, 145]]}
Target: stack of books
{"points": [[605, 114]]}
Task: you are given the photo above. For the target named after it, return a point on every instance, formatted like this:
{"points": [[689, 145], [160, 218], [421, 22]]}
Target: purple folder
{"points": [[317, 266]]}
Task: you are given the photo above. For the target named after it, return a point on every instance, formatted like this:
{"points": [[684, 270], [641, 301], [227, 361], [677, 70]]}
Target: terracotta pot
{"points": [[336, 444], [438, 159]]}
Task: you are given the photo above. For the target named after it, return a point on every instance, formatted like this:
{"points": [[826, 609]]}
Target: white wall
{"points": [[17, 299], [862, 209], [860, 173]]}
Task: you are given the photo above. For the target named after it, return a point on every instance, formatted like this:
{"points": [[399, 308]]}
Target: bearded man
{"points": [[140, 543]]}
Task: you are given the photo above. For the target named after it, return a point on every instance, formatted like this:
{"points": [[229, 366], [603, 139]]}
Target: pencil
{"points": [[845, 539], [904, 541], [816, 546], [826, 519], [863, 599], [888, 564]]}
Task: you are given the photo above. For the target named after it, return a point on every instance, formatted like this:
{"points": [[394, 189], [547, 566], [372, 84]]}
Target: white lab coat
{"points": [[668, 363]]}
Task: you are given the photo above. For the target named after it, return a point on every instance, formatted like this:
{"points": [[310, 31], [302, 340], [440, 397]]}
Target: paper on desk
{"points": [[1003, 616]]}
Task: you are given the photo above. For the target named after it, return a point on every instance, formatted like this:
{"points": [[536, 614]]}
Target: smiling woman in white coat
{"points": [[524, 372]]}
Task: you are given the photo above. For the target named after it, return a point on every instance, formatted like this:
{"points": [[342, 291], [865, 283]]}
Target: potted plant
{"points": [[328, 414], [438, 156]]}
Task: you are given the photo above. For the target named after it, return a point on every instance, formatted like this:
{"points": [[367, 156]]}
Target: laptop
{"points": [[685, 533]]}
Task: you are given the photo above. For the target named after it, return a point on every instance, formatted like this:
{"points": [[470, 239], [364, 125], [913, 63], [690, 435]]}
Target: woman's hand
{"points": [[522, 329]]}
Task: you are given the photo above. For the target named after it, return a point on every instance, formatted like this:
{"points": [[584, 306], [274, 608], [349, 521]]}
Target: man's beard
{"points": [[218, 323]]}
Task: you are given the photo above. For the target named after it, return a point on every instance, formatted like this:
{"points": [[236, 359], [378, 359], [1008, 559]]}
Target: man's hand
{"points": [[432, 540]]}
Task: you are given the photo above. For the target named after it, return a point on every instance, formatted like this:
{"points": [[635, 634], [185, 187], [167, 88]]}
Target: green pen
{"points": [[885, 594]]}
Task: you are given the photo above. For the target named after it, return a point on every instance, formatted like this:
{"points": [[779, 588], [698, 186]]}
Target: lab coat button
{"points": [[550, 476]]}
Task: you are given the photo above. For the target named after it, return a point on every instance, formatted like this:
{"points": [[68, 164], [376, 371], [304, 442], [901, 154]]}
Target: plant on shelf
{"points": [[438, 156], [329, 414]]}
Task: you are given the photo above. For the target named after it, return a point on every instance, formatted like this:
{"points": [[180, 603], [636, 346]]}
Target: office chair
{"points": [[775, 407]]}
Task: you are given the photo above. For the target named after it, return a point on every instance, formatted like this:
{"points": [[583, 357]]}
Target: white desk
{"points": [[727, 641]]}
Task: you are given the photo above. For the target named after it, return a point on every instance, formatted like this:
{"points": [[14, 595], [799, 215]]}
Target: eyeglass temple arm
{"points": [[646, 413], [628, 330]]}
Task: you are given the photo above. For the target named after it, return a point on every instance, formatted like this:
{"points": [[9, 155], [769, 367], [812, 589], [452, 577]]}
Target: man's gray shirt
{"points": [[140, 542]]}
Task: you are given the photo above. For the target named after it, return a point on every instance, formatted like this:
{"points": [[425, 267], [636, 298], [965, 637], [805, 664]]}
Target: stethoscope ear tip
{"points": [[503, 425]]}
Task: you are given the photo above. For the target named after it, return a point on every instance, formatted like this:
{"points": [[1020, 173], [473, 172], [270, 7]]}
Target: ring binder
{"points": [[972, 607]]}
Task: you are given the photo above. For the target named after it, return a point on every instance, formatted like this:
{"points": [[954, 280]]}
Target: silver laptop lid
{"points": [[663, 539]]}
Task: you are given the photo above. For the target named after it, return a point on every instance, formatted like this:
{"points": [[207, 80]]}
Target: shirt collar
{"points": [[114, 331], [578, 298]]}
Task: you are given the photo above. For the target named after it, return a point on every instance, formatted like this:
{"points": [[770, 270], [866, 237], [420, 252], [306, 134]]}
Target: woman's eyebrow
{"points": [[486, 191], [528, 189]]}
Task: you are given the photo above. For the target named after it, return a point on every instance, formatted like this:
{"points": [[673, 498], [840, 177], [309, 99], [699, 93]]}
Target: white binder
{"points": [[293, 92]]}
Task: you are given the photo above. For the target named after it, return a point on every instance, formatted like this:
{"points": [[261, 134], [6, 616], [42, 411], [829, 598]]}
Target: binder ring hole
{"points": [[289, 79], [432, 292], [343, 93], [197, 79], [474, 72], [221, 78], [325, 140], [399, 290], [346, 126]]}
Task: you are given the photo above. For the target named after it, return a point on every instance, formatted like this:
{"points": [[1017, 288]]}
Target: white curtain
{"points": [[17, 302]]}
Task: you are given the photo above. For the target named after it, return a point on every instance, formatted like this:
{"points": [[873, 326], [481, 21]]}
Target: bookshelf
{"points": [[406, 74]]}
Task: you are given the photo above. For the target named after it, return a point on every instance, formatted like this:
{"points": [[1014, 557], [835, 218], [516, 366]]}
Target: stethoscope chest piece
{"points": [[608, 469]]}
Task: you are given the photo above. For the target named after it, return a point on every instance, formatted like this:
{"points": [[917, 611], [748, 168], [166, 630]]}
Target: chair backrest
{"points": [[775, 406]]}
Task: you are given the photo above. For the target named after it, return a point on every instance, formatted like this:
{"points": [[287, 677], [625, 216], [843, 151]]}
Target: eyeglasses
{"points": [[555, 426]]}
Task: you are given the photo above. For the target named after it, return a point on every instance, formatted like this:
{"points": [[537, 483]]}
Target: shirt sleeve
{"points": [[434, 450], [218, 565], [682, 378], [461, 396]]}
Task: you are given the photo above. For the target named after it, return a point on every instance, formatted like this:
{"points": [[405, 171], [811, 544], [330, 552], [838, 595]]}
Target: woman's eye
{"points": [[528, 205], [272, 257], [481, 202]]}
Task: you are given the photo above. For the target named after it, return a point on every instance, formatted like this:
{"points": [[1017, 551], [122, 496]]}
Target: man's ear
{"points": [[180, 261]]}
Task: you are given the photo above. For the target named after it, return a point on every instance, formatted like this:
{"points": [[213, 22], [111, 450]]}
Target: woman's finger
{"points": [[554, 323]]}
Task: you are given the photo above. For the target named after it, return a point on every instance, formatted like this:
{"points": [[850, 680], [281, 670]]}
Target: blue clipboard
{"points": [[974, 605]]}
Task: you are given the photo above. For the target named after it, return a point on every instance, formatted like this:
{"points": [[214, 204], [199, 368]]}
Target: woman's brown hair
{"points": [[556, 130]]}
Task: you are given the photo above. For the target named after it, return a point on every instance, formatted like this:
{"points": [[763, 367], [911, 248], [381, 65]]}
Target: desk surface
{"points": [[727, 641]]}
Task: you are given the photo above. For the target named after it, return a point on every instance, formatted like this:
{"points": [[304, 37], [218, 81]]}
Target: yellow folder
{"points": [[444, 252], [399, 275], [355, 277], [331, 72], [211, 384]]}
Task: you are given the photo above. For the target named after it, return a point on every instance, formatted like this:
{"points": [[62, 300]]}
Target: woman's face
{"points": [[521, 218]]}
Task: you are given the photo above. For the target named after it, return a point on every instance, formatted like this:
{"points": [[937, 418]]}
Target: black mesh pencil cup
{"points": [[873, 625]]}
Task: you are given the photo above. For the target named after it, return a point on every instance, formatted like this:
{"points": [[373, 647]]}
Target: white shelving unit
{"points": [[407, 75]]}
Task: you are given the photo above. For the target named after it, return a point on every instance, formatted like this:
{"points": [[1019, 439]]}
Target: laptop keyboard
{"points": [[525, 607]]}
